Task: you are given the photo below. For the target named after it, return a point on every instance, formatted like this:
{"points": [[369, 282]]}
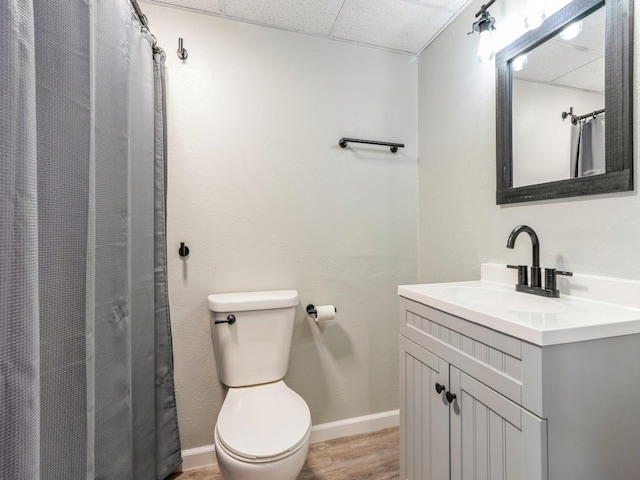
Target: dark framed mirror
{"points": [[564, 121]]}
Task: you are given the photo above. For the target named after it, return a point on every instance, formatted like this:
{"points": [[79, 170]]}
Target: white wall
{"points": [[460, 224], [266, 199]]}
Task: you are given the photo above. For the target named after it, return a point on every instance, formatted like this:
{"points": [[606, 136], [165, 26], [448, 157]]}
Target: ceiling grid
{"points": [[405, 26]]}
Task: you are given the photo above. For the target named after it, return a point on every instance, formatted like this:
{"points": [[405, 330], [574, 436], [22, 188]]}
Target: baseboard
{"points": [[198, 457], [355, 426], [204, 456]]}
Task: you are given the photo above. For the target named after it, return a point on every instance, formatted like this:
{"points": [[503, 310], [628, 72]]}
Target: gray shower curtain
{"points": [[86, 367], [587, 147]]}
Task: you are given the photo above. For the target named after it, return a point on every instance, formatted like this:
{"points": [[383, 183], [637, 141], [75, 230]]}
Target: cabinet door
{"points": [[492, 438], [424, 414]]}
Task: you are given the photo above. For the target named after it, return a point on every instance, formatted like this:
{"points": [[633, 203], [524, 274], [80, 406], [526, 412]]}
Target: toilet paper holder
{"points": [[312, 312]]}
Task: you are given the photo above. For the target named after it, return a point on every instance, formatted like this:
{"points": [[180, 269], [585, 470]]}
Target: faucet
{"points": [[550, 289], [536, 275]]}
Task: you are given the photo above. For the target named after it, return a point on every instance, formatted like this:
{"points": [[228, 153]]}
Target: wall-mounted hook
{"points": [[567, 114], [183, 251], [182, 52]]}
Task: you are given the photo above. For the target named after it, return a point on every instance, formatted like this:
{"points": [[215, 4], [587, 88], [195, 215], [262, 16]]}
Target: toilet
{"points": [[263, 428]]}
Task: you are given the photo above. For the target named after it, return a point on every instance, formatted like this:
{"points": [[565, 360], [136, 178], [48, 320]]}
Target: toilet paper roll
{"points": [[325, 312]]}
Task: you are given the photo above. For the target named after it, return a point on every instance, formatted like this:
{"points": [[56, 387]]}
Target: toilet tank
{"points": [[255, 348]]}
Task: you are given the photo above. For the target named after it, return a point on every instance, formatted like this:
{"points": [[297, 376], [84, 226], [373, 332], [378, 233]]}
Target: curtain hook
{"points": [[182, 52]]}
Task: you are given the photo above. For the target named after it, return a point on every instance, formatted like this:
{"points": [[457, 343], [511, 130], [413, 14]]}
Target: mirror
{"points": [[551, 135]]}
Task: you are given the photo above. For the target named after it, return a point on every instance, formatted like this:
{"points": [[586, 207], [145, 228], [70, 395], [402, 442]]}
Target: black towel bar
{"points": [[393, 146]]}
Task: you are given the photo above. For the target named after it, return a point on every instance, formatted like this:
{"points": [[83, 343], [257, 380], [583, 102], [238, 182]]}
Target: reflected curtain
{"points": [[86, 364], [588, 147]]}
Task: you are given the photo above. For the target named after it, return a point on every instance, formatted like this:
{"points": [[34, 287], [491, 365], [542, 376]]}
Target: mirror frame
{"points": [[618, 105]]}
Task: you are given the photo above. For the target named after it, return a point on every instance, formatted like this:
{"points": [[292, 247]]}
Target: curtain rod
{"points": [[587, 115], [141, 16], [576, 118]]}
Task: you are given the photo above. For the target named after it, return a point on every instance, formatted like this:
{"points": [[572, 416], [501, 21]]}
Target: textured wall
{"points": [[460, 223], [265, 199]]}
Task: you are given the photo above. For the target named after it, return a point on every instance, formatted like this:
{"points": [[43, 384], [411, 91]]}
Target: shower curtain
{"points": [[587, 147], [86, 365]]}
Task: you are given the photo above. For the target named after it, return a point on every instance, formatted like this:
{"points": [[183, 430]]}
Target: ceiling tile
{"points": [[307, 16], [403, 25], [210, 6], [399, 25], [552, 60], [588, 77], [451, 5]]}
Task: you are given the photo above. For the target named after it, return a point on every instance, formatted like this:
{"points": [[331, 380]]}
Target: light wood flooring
{"points": [[373, 456]]}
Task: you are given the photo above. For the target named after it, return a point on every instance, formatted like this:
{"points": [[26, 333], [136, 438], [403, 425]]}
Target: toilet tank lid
{"points": [[244, 301]]}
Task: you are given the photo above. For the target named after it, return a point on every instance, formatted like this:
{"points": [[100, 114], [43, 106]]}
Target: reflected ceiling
{"points": [[576, 63]]}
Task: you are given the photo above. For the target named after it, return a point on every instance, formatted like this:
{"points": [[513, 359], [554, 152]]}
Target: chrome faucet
{"points": [[536, 288]]}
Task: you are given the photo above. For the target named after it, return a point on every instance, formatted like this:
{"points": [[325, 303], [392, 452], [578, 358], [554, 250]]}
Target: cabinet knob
{"points": [[440, 388], [451, 397]]}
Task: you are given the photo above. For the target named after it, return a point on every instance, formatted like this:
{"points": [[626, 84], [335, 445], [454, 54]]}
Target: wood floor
{"points": [[374, 456]]}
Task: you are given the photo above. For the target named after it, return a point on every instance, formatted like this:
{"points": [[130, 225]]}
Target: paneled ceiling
{"points": [[399, 25]]}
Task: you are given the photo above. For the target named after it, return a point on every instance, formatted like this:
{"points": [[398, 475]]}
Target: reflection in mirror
{"points": [[560, 80]]}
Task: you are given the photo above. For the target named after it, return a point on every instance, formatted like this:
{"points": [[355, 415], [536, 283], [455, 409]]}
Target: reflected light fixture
{"points": [[571, 31], [519, 62], [534, 14], [484, 25]]}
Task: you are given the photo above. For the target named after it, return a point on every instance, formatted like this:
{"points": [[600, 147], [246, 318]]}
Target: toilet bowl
{"points": [[262, 433], [263, 428]]}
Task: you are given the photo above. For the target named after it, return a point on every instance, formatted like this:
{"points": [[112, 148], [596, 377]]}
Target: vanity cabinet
{"points": [[480, 434], [521, 411]]}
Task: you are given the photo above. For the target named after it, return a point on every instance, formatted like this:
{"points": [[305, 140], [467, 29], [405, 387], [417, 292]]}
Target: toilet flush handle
{"points": [[231, 319]]}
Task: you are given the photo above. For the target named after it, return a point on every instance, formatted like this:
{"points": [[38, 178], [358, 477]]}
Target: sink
{"points": [[503, 300], [589, 308]]}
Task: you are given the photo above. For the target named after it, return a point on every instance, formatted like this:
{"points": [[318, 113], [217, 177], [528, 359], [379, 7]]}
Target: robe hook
{"points": [[567, 114], [182, 52]]}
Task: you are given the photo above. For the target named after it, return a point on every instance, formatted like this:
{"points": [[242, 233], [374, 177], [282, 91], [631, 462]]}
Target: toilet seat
{"points": [[263, 423]]}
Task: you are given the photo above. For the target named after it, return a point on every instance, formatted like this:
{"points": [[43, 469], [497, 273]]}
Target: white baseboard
{"points": [[355, 426], [198, 457], [204, 456]]}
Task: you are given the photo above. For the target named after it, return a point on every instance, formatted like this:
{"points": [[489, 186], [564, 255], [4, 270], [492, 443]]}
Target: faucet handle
{"points": [[522, 274], [550, 277]]}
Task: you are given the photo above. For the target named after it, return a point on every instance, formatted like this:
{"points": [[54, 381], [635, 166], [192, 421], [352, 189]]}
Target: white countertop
{"points": [[547, 322]]}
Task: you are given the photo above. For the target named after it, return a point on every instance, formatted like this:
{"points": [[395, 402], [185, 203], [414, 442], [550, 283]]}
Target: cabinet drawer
{"points": [[506, 364]]}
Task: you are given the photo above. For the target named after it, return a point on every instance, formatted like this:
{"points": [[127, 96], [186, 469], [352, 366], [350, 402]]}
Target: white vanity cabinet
{"points": [[521, 411], [481, 434]]}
